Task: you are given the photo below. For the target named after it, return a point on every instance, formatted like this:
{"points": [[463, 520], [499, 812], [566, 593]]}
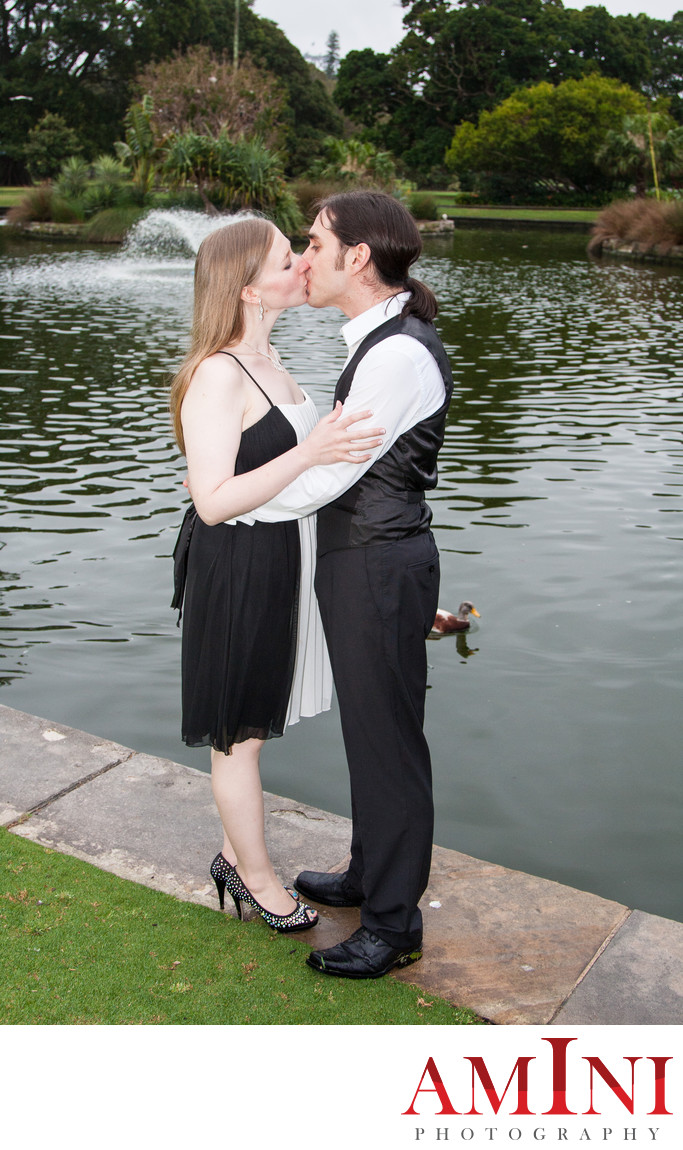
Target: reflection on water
{"points": [[555, 722]]}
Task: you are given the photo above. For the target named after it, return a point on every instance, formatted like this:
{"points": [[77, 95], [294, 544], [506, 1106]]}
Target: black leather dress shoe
{"points": [[329, 889], [363, 955]]}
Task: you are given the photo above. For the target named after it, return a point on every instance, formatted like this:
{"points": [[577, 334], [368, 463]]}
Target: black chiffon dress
{"points": [[238, 586]]}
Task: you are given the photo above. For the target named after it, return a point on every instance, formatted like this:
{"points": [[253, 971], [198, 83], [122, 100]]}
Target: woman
{"points": [[253, 654]]}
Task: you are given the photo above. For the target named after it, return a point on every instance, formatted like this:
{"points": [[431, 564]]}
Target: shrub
{"points": [[286, 213], [110, 226], [41, 204], [642, 221], [142, 151], [73, 178], [309, 192], [108, 187], [35, 204], [422, 206], [354, 163], [251, 174], [240, 175], [66, 211], [188, 198]]}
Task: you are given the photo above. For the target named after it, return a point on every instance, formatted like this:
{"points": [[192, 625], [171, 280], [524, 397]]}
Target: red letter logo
{"points": [[437, 1088]]}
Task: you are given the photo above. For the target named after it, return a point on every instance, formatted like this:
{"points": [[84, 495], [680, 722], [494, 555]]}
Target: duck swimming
{"points": [[446, 623]]}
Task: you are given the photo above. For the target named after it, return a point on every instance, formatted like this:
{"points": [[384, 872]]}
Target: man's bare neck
{"points": [[361, 301]]}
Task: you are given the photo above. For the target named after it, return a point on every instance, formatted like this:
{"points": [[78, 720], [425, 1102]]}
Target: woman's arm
{"points": [[212, 415], [388, 383]]}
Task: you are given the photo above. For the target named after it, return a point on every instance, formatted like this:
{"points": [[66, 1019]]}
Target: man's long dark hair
{"points": [[389, 230]]}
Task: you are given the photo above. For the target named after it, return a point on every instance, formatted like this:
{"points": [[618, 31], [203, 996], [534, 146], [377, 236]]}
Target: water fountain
{"points": [[172, 233], [160, 248]]}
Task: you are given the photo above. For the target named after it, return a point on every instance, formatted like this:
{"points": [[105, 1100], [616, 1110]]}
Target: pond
{"points": [[556, 723]]}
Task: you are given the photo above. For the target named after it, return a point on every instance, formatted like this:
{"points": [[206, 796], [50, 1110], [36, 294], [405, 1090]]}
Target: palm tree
{"points": [[74, 176], [646, 145]]}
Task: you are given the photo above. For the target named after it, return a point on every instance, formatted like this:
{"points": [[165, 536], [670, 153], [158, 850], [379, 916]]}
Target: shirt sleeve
{"points": [[386, 383]]}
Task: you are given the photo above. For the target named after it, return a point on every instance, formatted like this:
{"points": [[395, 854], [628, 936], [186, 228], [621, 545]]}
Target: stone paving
{"points": [[512, 947]]}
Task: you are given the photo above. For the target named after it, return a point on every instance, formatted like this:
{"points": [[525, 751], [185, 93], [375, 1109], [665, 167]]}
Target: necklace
{"points": [[271, 355]]}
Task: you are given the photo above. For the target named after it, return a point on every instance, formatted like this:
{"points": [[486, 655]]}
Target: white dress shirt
{"points": [[398, 380]]}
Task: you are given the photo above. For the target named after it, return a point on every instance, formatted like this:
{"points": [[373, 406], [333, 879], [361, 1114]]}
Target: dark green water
{"points": [[556, 725]]}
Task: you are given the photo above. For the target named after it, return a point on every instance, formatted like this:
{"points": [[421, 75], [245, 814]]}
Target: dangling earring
{"points": [[260, 311]]}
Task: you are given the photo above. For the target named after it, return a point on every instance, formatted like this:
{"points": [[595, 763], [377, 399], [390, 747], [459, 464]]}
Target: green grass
{"points": [[446, 202], [81, 946], [10, 196], [550, 215]]}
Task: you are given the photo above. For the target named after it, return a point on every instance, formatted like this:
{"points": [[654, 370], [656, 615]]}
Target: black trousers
{"points": [[378, 605]]}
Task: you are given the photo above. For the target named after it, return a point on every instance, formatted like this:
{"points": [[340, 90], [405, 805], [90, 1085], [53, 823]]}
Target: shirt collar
{"points": [[356, 329]]}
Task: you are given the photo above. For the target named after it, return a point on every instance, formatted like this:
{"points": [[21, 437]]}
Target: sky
{"points": [[377, 23]]}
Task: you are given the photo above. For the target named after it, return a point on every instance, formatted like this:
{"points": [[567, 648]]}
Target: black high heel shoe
{"points": [[224, 875]]}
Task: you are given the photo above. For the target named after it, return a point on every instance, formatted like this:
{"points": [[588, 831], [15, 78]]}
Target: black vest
{"points": [[387, 503]]}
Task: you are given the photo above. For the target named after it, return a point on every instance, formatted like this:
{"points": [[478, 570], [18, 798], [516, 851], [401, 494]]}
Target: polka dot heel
{"points": [[224, 875], [220, 869]]}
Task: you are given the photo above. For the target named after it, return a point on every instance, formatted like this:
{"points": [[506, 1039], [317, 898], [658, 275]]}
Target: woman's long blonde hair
{"points": [[228, 259]]}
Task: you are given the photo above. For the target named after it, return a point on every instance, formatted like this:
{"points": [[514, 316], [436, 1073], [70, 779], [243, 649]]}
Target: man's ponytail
{"points": [[422, 302]]}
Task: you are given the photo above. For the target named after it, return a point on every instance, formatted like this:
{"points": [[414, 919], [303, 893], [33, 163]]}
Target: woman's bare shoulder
{"points": [[218, 376]]}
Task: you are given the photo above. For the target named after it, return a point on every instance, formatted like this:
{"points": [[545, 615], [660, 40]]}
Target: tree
{"points": [[199, 91], [616, 46], [372, 90], [332, 56], [627, 152], [308, 115], [48, 145], [546, 133], [457, 60], [78, 59], [665, 46], [368, 87]]}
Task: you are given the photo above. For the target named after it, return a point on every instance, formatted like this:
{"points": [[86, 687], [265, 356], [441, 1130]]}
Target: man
{"points": [[377, 576]]}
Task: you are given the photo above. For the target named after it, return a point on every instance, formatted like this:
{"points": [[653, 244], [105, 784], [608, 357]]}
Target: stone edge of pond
{"points": [[49, 230], [515, 948], [657, 253]]}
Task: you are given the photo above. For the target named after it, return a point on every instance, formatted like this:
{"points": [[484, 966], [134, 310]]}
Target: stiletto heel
{"points": [[220, 867], [224, 875]]}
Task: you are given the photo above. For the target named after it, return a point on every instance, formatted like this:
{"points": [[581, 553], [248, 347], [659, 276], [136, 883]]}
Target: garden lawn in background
{"points": [[446, 205], [80, 946], [10, 196]]}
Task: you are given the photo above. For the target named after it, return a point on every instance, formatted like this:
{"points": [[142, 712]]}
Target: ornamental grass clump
{"points": [[310, 192], [650, 223], [422, 206], [111, 225], [40, 204]]}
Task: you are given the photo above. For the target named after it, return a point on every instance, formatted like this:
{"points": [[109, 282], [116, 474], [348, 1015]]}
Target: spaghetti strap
{"points": [[239, 361]]}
